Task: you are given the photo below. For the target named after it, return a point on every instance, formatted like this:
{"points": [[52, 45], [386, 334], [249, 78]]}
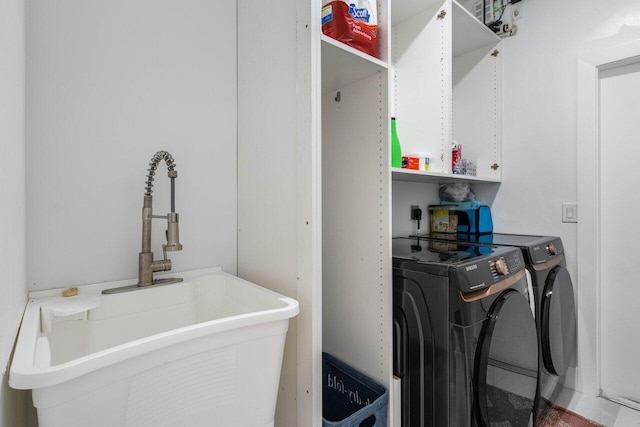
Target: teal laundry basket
{"points": [[350, 398]]}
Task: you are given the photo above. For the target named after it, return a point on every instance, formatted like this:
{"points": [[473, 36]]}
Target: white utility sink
{"points": [[205, 351]]}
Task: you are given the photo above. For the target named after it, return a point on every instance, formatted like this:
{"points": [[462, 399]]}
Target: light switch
{"points": [[569, 212]]}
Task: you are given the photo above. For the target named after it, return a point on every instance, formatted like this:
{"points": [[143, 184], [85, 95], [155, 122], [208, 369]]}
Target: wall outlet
{"points": [[569, 212], [413, 208]]}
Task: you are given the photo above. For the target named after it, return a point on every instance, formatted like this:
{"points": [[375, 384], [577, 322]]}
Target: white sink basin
{"points": [[183, 354]]}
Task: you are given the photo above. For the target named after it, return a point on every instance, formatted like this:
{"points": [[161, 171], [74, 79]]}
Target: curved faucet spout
{"points": [[157, 158]]}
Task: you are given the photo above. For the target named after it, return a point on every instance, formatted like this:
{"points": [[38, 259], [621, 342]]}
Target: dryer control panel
{"points": [[545, 251], [483, 272]]}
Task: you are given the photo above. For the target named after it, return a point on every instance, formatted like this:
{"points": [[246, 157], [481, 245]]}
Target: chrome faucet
{"points": [[146, 265]]}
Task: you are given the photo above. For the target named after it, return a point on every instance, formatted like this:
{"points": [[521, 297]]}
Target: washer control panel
{"points": [[486, 271], [500, 267]]}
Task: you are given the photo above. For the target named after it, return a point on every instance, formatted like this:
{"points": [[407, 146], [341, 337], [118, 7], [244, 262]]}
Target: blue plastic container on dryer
{"points": [[350, 398], [474, 217]]}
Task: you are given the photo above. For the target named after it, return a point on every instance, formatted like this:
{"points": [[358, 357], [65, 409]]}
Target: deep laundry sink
{"points": [[205, 351]]}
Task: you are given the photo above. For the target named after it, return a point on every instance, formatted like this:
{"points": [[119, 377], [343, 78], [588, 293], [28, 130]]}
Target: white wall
{"points": [[109, 83], [540, 102], [12, 221]]}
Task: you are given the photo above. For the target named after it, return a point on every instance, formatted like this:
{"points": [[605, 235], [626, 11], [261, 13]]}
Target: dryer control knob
{"points": [[501, 267], [552, 249]]}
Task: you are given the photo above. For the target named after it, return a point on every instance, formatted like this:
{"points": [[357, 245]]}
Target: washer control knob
{"points": [[501, 267], [551, 248]]}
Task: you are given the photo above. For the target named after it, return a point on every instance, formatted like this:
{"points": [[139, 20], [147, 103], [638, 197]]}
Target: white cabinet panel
{"points": [[357, 314]]}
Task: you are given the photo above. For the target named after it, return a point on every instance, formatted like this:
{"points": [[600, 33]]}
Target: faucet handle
{"points": [[172, 233]]}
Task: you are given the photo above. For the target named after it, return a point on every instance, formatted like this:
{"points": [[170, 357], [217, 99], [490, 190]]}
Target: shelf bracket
{"points": [[337, 98], [495, 166], [442, 14], [495, 53]]}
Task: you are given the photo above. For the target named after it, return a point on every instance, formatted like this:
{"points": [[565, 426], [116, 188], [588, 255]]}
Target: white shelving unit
{"points": [[447, 77], [315, 195], [357, 314], [477, 92], [441, 82]]}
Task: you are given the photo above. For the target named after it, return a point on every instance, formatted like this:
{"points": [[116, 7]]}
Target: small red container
{"points": [[456, 155]]}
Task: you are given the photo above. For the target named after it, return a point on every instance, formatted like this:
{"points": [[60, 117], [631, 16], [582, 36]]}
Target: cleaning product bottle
{"points": [[396, 151]]}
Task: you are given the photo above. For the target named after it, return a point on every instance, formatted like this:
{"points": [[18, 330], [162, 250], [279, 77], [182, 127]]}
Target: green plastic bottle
{"points": [[396, 150]]}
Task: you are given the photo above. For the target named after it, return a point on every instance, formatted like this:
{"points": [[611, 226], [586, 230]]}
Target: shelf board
{"points": [[343, 65], [469, 34], [410, 175]]}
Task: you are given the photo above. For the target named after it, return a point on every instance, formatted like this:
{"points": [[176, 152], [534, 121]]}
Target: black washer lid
{"points": [[422, 249], [519, 239]]}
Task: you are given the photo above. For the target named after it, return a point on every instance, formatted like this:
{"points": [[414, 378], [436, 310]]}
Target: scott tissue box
{"points": [[353, 22]]}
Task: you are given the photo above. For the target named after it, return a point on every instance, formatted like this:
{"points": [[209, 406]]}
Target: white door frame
{"points": [[588, 157]]}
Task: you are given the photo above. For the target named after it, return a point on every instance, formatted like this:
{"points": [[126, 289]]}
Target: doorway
{"points": [[607, 145], [619, 174]]}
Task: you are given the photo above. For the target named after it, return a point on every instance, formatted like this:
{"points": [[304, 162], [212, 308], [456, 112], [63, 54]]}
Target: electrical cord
{"points": [[495, 25], [416, 214]]}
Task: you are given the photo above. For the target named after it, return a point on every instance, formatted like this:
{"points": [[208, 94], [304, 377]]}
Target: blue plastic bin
{"points": [[474, 217], [350, 398]]}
